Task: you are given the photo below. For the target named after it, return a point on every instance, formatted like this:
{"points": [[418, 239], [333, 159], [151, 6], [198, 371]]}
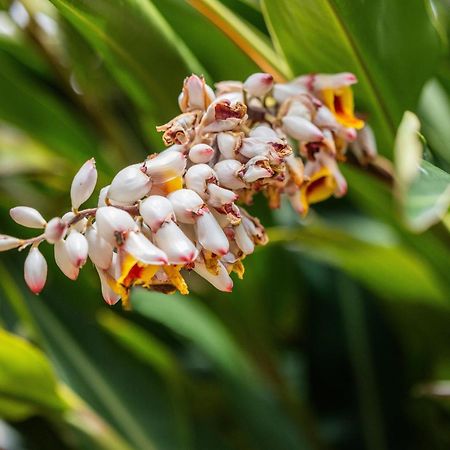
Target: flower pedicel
{"points": [[181, 209]]}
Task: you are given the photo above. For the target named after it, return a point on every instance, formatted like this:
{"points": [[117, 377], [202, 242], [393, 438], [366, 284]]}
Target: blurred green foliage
{"points": [[340, 331]]}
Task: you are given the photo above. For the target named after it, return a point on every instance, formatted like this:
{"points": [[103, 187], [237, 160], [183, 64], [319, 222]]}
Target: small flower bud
{"points": [[83, 183], [243, 240], [100, 252], [301, 129], [218, 196], [55, 230], [165, 166], [138, 246], [196, 94], [197, 178], [9, 242], [110, 297], [27, 217], [77, 248], [227, 173], [283, 91], [112, 221], [324, 118], [333, 81], [223, 115], [79, 224], [210, 235], [258, 84], [130, 184], [63, 262], [228, 144], [155, 210], [257, 168], [186, 204], [103, 194], [201, 153], [365, 146], [35, 270], [222, 281], [263, 131]]}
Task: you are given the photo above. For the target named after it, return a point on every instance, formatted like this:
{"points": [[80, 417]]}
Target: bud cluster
{"points": [[181, 210]]}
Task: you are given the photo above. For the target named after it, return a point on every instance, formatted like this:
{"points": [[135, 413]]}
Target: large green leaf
{"points": [[138, 46], [391, 47], [27, 383]]}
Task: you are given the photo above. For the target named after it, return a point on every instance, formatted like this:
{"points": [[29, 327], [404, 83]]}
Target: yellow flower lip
{"points": [[340, 103]]}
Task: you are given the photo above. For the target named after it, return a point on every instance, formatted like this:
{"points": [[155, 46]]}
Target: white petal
{"points": [[325, 118], [197, 177], [165, 166], [178, 248], [77, 248], [111, 220], [228, 144], [210, 235], [130, 184], [263, 131], [137, 245], [258, 84], [100, 251], [227, 173], [219, 196], [301, 129], [55, 230], [243, 240], [83, 183], [155, 210], [222, 281], [102, 196], [63, 262], [110, 297], [201, 153], [9, 242], [28, 217], [35, 270], [79, 225], [186, 205]]}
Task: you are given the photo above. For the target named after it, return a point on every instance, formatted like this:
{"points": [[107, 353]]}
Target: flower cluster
{"points": [[181, 209]]}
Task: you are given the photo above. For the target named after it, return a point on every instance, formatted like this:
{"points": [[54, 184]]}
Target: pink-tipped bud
{"points": [[155, 210], [77, 248], [63, 262], [243, 240], [83, 183], [27, 217], [210, 235], [198, 177], [110, 297], [112, 222], [324, 118], [301, 129], [333, 81], [228, 144], [218, 196], [165, 166], [138, 246], [9, 242], [283, 91], [201, 153], [130, 184], [55, 230], [79, 224], [227, 173], [196, 94], [258, 84], [35, 270], [221, 281], [100, 252], [186, 205], [178, 248]]}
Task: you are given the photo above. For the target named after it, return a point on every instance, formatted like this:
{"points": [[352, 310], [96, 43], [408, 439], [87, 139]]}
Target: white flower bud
{"points": [[110, 297], [210, 235], [300, 109], [258, 84], [196, 94], [35, 270], [100, 251], [138, 246], [219, 196], [333, 81], [186, 205], [325, 118], [77, 248], [221, 281], [79, 225], [55, 230], [9, 242], [83, 183], [257, 168], [165, 166], [227, 172], [198, 177], [102, 196], [111, 220], [156, 210], [295, 168], [263, 131], [243, 240], [63, 262], [228, 144], [365, 146], [201, 153], [178, 248], [130, 184], [223, 115], [283, 91], [301, 129], [28, 217]]}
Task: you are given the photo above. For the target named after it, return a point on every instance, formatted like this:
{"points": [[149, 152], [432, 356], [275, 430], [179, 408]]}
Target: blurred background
{"points": [[339, 335]]}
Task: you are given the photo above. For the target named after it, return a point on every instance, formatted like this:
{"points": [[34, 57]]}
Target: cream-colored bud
{"points": [[100, 252], [301, 129], [155, 210], [63, 262], [258, 84], [137, 245], [228, 144], [222, 281], [333, 81], [55, 230], [227, 172], [35, 270], [130, 184], [83, 183], [77, 248], [27, 217], [112, 222], [210, 235], [165, 166], [201, 153], [9, 242], [110, 297], [198, 177]]}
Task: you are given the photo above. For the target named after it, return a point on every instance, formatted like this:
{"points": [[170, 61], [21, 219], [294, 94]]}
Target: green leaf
{"points": [[390, 270], [27, 383], [341, 35], [141, 50]]}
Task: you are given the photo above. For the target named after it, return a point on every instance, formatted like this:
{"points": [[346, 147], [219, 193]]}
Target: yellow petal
{"points": [[340, 103]]}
